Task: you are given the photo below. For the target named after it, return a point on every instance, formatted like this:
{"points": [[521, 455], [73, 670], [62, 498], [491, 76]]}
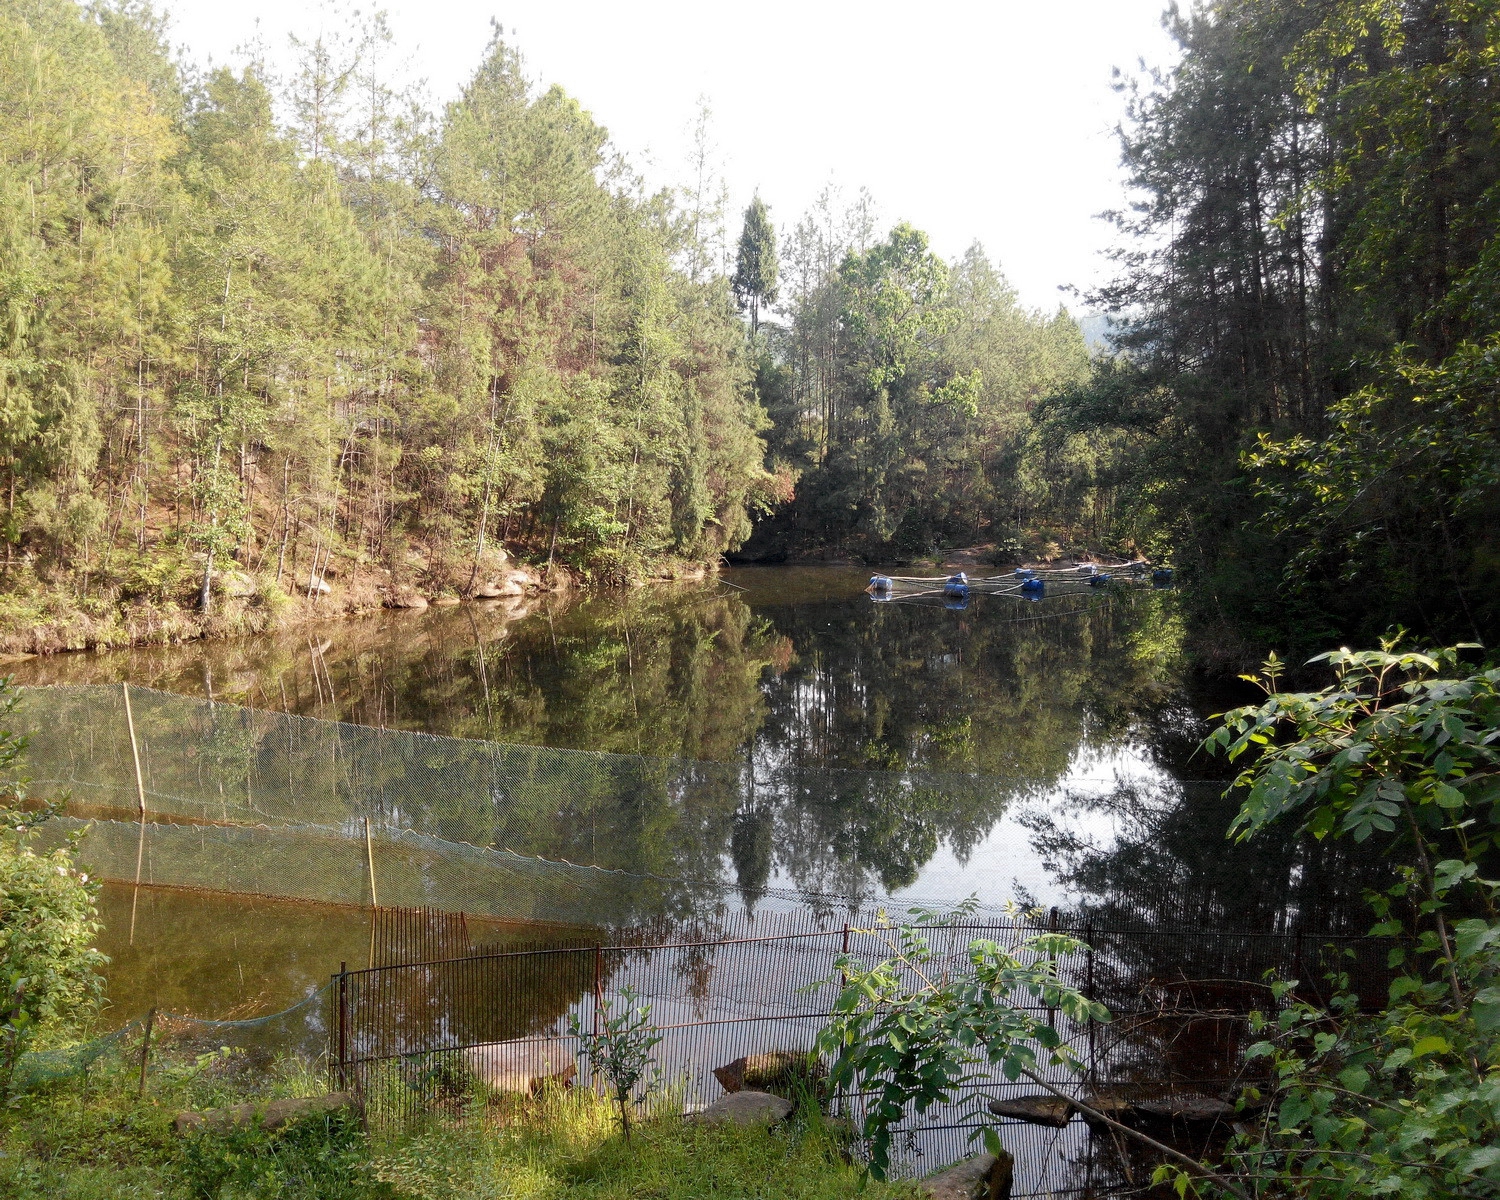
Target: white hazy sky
{"points": [[971, 120]]}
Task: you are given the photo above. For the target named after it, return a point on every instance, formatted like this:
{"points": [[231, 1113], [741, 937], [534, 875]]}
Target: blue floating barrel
{"points": [[879, 584], [1098, 579], [1033, 586], [1162, 577], [956, 586]]}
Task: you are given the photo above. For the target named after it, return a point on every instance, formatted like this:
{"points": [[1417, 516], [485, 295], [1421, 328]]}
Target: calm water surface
{"points": [[1076, 709]]}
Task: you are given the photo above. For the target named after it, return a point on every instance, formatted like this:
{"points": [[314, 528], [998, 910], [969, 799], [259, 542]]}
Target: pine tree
{"points": [[755, 269]]}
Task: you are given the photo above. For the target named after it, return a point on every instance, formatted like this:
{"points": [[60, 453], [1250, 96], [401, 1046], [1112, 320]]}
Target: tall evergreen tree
{"points": [[372, 341], [756, 267], [1315, 238]]}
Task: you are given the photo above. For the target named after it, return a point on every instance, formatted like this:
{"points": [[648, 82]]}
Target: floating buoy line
{"points": [[1024, 583]]}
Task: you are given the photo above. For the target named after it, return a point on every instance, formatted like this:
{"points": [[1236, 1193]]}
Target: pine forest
{"points": [[280, 341]]}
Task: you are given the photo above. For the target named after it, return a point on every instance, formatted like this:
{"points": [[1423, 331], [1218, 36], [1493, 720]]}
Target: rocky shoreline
{"points": [[51, 621]]}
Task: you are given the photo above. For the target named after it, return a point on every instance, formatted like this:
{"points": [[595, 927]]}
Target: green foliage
{"points": [[1397, 744], [901, 394], [49, 970], [48, 967], [910, 1036], [315, 1158], [1406, 473], [755, 271], [1400, 1103], [619, 1051], [1404, 1101], [1302, 404]]}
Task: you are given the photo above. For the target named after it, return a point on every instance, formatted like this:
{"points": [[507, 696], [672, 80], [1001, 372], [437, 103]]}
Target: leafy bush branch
{"points": [[1402, 746]]}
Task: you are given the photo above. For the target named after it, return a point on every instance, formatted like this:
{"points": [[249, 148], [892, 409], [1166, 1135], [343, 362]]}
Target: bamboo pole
{"points": [[140, 795], [135, 751], [370, 863]]}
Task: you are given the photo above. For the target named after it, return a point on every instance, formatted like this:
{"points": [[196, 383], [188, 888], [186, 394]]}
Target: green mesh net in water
{"points": [[268, 803], [300, 1030]]}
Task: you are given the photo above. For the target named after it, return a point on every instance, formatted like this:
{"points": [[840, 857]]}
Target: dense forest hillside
{"points": [[258, 342], [1305, 409], [902, 390], [270, 337], [279, 343]]}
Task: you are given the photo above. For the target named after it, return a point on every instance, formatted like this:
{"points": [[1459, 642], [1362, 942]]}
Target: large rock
{"points": [[271, 1114], [746, 1108], [514, 582], [235, 583], [777, 1071], [983, 1177], [1039, 1108], [405, 597], [1187, 1108], [315, 585], [1110, 1104], [520, 1066]]}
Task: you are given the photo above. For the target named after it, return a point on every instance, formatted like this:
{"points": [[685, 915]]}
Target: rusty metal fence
{"points": [[418, 1037]]}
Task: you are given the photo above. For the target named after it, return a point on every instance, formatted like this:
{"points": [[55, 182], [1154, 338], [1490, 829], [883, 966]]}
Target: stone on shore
{"points": [[268, 1114], [746, 1108], [515, 582], [776, 1071], [983, 1177], [520, 1066]]}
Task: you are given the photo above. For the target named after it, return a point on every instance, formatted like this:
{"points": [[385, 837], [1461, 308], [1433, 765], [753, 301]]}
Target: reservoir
{"points": [[1035, 753]]}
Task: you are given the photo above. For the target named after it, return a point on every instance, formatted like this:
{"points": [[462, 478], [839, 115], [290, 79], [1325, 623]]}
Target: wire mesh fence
{"points": [[741, 1002]]}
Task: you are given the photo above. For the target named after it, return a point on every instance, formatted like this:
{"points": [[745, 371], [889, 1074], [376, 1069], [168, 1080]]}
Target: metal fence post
{"points": [[1088, 937], [342, 1025], [598, 986]]}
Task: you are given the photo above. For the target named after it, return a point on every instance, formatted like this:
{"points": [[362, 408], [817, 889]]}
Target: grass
{"points": [[95, 1140]]}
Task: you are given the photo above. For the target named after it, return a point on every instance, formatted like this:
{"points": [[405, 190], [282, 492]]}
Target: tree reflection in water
{"points": [[864, 739]]}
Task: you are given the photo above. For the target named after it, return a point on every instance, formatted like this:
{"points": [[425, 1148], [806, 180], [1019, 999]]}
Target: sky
{"points": [[973, 121]]}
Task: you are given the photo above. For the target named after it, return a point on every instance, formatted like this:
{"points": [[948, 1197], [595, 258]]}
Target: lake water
{"points": [[1074, 713]]}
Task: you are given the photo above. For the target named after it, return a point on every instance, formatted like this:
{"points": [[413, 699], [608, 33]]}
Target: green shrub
{"points": [[165, 573], [319, 1157], [1403, 747], [49, 970]]}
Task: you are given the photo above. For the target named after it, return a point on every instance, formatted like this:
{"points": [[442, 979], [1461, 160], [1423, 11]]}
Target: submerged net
{"points": [[267, 803], [186, 792], [250, 1043]]}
